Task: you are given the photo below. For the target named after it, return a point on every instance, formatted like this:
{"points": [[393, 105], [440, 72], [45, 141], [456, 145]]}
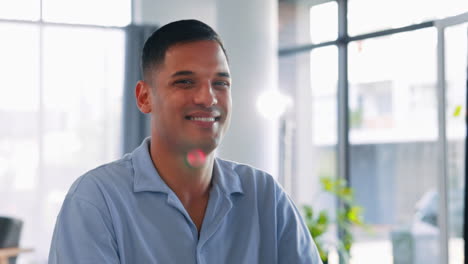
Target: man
{"points": [[171, 200]]}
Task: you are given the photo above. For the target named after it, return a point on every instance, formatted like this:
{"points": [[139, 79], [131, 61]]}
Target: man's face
{"points": [[191, 96]]}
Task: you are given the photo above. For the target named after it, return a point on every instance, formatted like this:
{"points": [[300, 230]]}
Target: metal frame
{"points": [[443, 214], [346, 39], [343, 108], [41, 170], [343, 105], [41, 23], [442, 218]]}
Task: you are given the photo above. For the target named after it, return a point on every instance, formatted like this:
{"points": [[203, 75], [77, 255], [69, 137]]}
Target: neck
{"points": [[187, 182]]}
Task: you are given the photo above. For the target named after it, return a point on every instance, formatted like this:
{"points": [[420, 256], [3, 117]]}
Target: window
{"points": [[60, 106], [393, 140], [20, 9], [366, 16], [392, 87], [117, 12], [324, 22], [323, 82], [392, 144], [456, 78]]}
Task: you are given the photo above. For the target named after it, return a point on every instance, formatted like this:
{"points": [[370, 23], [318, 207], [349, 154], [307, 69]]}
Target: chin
{"points": [[206, 146]]}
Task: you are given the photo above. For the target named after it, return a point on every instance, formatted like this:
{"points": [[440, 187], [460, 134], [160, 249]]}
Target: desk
{"points": [[6, 253]]}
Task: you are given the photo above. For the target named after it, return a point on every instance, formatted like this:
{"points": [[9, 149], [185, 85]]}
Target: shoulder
{"points": [[253, 180], [99, 182], [246, 172]]}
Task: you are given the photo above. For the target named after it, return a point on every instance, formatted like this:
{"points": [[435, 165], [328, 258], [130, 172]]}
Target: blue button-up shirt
{"points": [[123, 212]]}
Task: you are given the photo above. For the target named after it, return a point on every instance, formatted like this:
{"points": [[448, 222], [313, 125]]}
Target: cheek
{"points": [[171, 107], [224, 99], [227, 107], [162, 101], [160, 109]]}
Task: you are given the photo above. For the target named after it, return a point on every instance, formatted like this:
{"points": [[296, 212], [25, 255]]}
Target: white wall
{"points": [[159, 12], [249, 31]]}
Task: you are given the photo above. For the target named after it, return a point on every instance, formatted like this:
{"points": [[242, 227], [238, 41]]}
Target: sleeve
{"points": [[83, 235], [295, 245]]}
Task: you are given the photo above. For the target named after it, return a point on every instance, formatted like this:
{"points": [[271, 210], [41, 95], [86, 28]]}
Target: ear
{"points": [[143, 97]]}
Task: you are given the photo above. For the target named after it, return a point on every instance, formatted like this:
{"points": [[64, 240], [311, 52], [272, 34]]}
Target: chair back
{"points": [[10, 233]]}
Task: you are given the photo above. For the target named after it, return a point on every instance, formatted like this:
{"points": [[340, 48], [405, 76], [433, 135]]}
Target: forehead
{"points": [[197, 55]]}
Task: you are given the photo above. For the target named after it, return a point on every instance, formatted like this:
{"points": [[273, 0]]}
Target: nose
{"points": [[205, 95]]}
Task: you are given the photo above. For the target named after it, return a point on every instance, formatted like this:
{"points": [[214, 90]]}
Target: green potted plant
{"points": [[348, 215]]}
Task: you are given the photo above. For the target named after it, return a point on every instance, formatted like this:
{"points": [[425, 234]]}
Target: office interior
{"points": [[371, 92]]}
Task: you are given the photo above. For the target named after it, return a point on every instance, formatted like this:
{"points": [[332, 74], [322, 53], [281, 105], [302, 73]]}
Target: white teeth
{"points": [[203, 119]]}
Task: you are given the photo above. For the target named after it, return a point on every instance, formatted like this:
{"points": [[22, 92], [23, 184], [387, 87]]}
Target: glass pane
{"points": [[392, 85], [456, 57], [19, 129], [324, 22], [83, 84], [324, 76], [102, 12], [311, 77], [394, 152], [366, 16], [324, 83], [20, 9]]}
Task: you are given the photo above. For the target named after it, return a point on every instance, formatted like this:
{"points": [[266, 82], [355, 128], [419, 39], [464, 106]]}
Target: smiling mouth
{"points": [[203, 119]]}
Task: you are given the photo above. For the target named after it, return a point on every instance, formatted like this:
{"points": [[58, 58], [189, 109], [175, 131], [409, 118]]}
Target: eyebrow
{"points": [[182, 73], [186, 73], [223, 74]]}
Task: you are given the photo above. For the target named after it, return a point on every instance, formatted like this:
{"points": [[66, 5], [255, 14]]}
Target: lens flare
{"points": [[195, 158], [273, 104]]}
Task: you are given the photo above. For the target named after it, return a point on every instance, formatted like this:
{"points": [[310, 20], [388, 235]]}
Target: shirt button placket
{"points": [[200, 257]]}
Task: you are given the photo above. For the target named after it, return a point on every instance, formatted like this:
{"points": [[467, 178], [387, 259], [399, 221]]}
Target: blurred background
{"points": [[372, 92]]}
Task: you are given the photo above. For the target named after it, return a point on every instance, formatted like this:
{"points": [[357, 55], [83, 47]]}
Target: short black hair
{"points": [[177, 32]]}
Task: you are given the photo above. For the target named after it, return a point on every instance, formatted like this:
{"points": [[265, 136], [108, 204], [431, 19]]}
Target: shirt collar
{"points": [[226, 177], [147, 177]]}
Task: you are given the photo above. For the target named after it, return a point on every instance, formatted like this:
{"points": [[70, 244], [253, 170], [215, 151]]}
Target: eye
{"points": [[184, 83], [221, 84]]}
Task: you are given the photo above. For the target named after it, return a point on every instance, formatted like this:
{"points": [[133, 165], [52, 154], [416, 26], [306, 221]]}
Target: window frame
{"points": [[343, 143]]}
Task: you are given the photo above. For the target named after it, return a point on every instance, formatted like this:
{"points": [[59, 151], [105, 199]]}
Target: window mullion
{"points": [[343, 116]]}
